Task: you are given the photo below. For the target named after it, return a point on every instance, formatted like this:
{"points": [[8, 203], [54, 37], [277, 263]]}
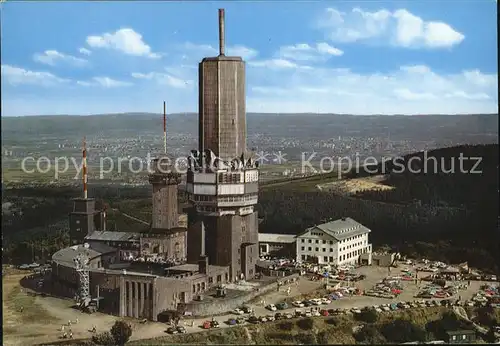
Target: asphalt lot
{"points": [[373, 274], [61, 311]]}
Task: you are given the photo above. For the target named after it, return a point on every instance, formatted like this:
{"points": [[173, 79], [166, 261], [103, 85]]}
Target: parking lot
{"points": [[373, 275], [304, 287]]}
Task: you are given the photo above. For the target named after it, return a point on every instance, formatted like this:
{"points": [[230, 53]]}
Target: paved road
{"points": [[131, 217]]}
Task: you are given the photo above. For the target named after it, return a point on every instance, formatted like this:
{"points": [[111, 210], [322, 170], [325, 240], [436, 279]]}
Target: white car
{"points": [[238, 311], [325, 300], [298, 304], [316, 313], [316, 301], [271, 307], [307, 313]]}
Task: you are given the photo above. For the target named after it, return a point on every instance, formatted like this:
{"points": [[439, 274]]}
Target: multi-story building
{"points": [[335, 242], [222, 182], [222, 106]]}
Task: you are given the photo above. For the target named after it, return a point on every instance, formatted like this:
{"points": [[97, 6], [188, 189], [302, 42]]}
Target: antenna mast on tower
{"points": [[84, 168], [164, 127]]}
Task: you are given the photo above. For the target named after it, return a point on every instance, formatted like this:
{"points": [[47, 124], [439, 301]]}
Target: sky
{"points": [[368, 57]]}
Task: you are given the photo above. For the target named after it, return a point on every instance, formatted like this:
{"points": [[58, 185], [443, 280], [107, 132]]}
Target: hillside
{"points": [[452, 217]]}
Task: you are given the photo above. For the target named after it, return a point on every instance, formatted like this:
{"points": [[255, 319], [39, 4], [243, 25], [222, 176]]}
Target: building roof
{"points": [[276, 238], [188, 267], [460, 332], [113, 236], [163, 231], [65, 256], [222, 58], [340, 229]]}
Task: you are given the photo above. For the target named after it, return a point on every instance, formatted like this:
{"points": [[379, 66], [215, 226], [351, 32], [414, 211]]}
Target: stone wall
{"points": [[221, 305]]}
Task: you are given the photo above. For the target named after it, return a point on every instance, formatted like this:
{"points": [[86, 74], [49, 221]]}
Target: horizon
{"points": [[247, 113], [326, 58]]}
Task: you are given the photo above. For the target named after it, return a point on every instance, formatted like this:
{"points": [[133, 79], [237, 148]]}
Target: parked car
{"points": [[324, 313], [270, 318], [232, 321], [307, 303], [316, 301], [214, 324], [172, 330], [315, 313], [262, 319], [207, 325], [325, 300], [181, 330], [298, 304], [298, 312], [307, 313], [247, 310], [240, 320], [278, 316], [271, 307], [253, 319], [282, 306], [238, 311], [288, 315]]}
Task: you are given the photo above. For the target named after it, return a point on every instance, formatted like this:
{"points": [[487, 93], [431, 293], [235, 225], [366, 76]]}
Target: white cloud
{"points": [[53, 57], [245, 52], [19, 76], [124, 40], [406, 94], [399, 28], [199, 51], [84, 51], [165, 79], [407, 90], [305, 52], [104, 82], [277, 64]]}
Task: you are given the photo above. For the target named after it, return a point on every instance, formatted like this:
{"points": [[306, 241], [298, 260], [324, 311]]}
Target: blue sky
{"points": [[369, 57]]}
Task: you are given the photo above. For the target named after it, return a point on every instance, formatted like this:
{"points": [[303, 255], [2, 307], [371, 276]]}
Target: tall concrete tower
{"points": [[222, 184], [222, 111], [165, 181]]}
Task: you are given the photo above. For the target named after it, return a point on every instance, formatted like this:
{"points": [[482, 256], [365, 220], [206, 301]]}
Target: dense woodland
{"points": [[449, 217]]}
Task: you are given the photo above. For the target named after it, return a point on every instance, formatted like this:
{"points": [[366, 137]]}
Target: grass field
{"points": [[301, 184], [20, 310]]}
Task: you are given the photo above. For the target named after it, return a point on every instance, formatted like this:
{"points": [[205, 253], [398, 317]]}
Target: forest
{"points": [[452, 217]]}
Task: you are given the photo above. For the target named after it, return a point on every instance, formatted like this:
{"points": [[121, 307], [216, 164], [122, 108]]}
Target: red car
{"points": [[324, 313]]}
